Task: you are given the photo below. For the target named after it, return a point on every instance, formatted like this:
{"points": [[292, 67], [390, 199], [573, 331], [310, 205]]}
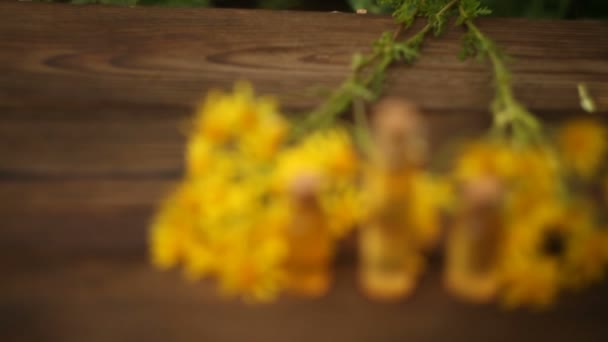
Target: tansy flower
{"points": [[529, 168], [171, 228], [230, 217], [533, 251], [252, 269], [560, 242], [528, 173], [199, 155], [585, 260], [256, 122], [166, 246], [527, 284], [266, 133], [265, 139], [343, 203], [483, 159], [535, 179], [223, 219], [198, 257], [223, 116], [582, 145], [527, 178], [330, 157]]}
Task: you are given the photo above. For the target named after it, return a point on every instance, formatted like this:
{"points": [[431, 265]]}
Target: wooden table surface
{"points": [[90, 101]]}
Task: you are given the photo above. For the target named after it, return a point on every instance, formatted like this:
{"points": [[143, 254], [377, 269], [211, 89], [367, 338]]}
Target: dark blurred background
{"points": [[569, 9]]}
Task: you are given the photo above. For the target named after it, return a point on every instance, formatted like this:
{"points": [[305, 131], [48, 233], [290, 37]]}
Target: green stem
{"points": [[508, 112], [362, 128], [502, 77], [364, 75]]}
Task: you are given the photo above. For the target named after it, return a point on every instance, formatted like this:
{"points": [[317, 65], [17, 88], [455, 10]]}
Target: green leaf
{"points": [[358, 90], [402, 51], [357, 61], [406, 13], [471, 9]]}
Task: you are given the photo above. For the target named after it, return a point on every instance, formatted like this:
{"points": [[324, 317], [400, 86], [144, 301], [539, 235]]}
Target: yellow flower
{"points": [[530, 269], [253, 270], [265, 139], [166, 247], [337, 152], [225, 220], [586, 260], [170, 228], [230, 218], [483, 159], [198, 258], [586, 257], [528, 174], [222, 117], [199, 155], [527, 233], [582, 145], [530, 168], [532, 285], [535, 244], [536, 179], [554, 246], [330, 157], [343, 203]]}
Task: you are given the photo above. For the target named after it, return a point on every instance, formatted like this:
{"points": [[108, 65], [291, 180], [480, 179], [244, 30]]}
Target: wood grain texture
{"points": [[91, 98], [98, 301]]}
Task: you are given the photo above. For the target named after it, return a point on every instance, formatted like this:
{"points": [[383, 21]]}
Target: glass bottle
{"points": [[310, 243], [391, 259]]}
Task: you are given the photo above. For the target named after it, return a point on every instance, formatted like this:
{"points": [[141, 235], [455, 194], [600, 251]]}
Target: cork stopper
{"points": [[482, 193], [400, 134], [304, 188]]}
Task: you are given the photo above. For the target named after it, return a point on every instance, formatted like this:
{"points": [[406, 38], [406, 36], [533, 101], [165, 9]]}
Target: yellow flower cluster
{"points": [[229, 218], [554, 247], [330, 157], [261, 215], [553, 237], [583, 145]]}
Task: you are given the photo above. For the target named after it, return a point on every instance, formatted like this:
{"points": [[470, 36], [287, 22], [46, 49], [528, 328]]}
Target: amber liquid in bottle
{"points": [[390, 260], [310, 243], [475, 243]]}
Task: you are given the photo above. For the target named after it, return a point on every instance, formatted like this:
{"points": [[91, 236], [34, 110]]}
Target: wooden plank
{"points": [[148, 148], [66, 60], [90, 101], [153, 66], [66, 218], [121, 90], [95, 300], [94, 148]]}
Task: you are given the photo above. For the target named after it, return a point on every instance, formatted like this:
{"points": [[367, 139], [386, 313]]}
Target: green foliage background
{"points": [[513, 8]]}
